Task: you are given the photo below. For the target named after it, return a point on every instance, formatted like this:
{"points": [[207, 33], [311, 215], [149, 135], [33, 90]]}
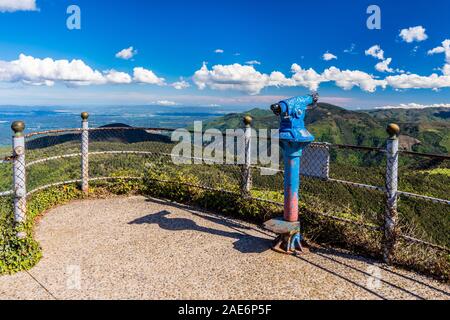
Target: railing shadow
{"points": [[327, 253]]}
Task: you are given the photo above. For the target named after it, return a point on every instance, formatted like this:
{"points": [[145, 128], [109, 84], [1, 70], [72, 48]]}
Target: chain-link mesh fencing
{"points": [[52, 157], [6, 197], [424, 198], [142, 152], [5, 170]]}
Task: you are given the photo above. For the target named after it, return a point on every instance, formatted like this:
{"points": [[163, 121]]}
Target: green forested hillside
{"points": [[431, 126], [423, 130]]}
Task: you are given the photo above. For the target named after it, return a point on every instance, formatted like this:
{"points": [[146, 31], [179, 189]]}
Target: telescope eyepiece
{"points": [[276, 109]]}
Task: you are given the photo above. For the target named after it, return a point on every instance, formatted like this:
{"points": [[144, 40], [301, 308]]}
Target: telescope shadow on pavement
{"points": [[245, 243]]}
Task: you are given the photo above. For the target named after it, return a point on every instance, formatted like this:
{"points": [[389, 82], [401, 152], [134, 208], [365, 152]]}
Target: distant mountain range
{"points": [[423, 130], [113, 135]]}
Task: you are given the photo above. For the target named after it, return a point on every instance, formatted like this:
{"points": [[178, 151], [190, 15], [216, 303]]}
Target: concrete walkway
{"points": [[136, 248]]}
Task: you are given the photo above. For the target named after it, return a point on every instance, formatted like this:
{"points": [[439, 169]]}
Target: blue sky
{"points": [[241, 42]]}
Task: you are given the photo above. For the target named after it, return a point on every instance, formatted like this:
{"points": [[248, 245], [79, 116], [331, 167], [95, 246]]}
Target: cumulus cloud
{"points": [[35, 71], [414, 81], [445, 48], [433, 81], [376, 52], [234, 76], [383, 66], [17, 5], [219, 51], [436, 50], [180, 85], [415, 106], [127, 53], [32, 70], [328, 56], [142, 75], [247, 79], [117, 77], [347, 79], [306, 78], [412, 34], [253, 62]]}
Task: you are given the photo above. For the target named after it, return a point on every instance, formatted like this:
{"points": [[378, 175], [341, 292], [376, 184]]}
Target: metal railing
{"points": [[87, 145]]}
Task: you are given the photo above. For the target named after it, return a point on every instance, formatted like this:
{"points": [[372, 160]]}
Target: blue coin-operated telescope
{"points": [[294, 137]]}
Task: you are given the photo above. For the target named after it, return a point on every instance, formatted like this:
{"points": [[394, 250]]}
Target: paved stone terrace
{"points": [[139, 248]]}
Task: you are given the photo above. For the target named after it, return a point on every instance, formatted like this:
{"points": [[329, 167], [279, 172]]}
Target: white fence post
{"points": [[247, 171], [391, 214], [19, 173], [85, 153]]}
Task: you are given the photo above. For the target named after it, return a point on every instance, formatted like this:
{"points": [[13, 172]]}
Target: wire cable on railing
{"points": [[428, 155], [432, 245], [358, 185], [427, 198], [29, 164], [6, 193]]}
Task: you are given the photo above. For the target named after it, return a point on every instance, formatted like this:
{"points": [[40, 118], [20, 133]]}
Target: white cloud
{"points": [[116, 77], [17, 5], [32, 70], [247, 79], [347, 79], [436, 50], [219, 51], [328, 56], [383, 66], [415, 106], [414, 81], [433, 81], [165, 103], [376, 52], [127, 53], [253, 62], [142, 75], [234, 76], [35, 71], [445, 48], [180, 85], [306, 78], [412, 34]]}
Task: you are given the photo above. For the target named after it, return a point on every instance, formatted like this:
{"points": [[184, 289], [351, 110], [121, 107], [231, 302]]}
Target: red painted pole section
{"points": [[291, 180]]}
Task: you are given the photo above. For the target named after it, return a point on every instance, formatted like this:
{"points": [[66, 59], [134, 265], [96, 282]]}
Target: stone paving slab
{"points": [[139, 248]]}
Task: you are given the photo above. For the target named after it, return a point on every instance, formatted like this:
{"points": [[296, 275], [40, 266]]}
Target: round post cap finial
{"points": [[84, 115], [18, 127], [248, 120], [393, 130]]}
